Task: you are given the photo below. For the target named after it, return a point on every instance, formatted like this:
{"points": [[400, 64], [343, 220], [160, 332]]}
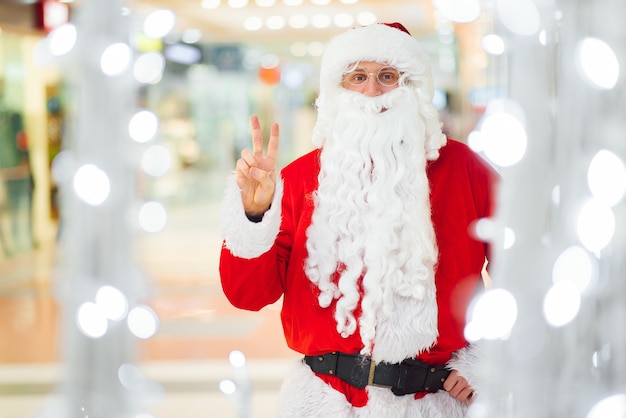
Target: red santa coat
{"points": [[462, 191]]}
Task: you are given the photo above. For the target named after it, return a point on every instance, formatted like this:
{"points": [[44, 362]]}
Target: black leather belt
{"points": [[410, 376]]}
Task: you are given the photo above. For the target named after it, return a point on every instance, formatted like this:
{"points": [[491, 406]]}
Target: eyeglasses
{"points": [[386, 76]]}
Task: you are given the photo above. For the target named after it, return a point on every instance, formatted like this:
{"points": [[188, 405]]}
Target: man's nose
{"points": [[372, 87]]}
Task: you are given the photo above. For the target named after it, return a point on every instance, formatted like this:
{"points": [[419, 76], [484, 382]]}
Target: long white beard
{"points": [[372, 215]]}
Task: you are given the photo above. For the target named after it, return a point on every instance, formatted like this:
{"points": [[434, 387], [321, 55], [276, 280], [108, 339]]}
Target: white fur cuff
{"points": [[246, 239], [467, 361]]}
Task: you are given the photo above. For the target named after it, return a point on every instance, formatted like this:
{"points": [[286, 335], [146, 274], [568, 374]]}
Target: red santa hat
{"points": [[381, 42]]}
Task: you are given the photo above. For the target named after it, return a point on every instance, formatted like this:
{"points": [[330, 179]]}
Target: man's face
{"points": [[371, 78]]}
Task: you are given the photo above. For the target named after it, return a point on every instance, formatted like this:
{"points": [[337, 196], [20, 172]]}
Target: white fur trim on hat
{"points": [[242, 237], [381, 43]]}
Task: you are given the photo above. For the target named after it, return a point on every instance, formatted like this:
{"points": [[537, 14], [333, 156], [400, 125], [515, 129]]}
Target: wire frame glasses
{"points": [[386, 76]]}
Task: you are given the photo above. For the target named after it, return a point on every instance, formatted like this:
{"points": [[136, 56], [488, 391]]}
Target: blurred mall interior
{"points": [[223, 62]]}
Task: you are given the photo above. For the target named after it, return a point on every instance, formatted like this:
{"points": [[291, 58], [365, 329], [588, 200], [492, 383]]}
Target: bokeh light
{"points": [[143, 322], [575, 265], [156, 161], [91, 320], [607, 177], [115, 58], [91, 184], [460, 11], [611, 407], [152, 217], [597, 63], [596, 225], [63, 39], [561, 303], [502, 133], [228, 387], [159, 23], [493, 316], [149, 67], [519, 16], [112, 302], [237, 358], [493, 44], [143, 126]]}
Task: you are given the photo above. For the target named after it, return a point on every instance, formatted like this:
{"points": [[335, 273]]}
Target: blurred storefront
{"points": [[31, 120]]}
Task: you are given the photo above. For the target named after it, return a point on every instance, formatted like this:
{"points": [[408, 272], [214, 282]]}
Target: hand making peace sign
{"points": [[256, 173]]}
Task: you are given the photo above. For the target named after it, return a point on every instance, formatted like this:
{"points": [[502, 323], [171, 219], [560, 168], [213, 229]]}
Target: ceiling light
{"points": [[237, 4], [343, 20], [275, 22], [349, 1], [265, 3], [366, 18], [320, 21], [298, 21], [292, 2], [315, 49], [192, 36], [320, 2], [211, 4], [298, 49], [253, 23]]}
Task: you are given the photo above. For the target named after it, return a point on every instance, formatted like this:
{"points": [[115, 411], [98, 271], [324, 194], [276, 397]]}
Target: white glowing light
{"points": [[596, 225], [485, 229], [509, 238], [298, 49], [493, 316], [149, 67], [607, 177], [112, 302], [237, 358], [611, 407], [156, 160], [211, 4], [130, 376], [265, 3], [152, 217], [519, 16], [143, 126], [493, 44], [561, 303], [475, 141], [159, 23], [461, 11], [91, 320], [597, 62], [573, 265], [237, 4], [252, 23], [366, 18], [192, 36], [91, 184], [228, 387], [315, 49], [343, 20], [115, 58], [143, 322], [320, 2], [293, 2], [503, 138], [275, 22], [320, 21], [270, 61], [42, 55], [298, 21], [63, 166], [63, 39]]}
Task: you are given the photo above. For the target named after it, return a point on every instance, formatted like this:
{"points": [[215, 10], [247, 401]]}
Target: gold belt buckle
{"points": [[370, 376]]}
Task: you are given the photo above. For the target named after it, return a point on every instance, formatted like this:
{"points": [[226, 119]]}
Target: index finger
{"points": [[272, 146], [257, 138]]}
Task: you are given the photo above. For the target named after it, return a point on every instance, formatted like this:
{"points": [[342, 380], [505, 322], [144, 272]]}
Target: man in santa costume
{"points": [[367, 240]]}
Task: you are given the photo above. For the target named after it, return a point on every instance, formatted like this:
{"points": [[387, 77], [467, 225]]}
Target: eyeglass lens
{"points": [[386, 76]]}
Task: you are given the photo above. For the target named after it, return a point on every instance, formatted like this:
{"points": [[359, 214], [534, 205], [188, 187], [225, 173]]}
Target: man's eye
{"points": [[358, 77], [388, 76]]}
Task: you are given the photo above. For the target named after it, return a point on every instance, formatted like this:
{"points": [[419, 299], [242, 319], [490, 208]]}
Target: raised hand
{"points": [[256, 173]]}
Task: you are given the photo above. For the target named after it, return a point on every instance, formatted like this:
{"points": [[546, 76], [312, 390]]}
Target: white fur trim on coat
{"points": [[246, 239], [304, 395]]}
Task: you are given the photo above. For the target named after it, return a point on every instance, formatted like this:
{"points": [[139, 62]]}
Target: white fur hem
{"points": [[246, 239], [304, 395]]}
